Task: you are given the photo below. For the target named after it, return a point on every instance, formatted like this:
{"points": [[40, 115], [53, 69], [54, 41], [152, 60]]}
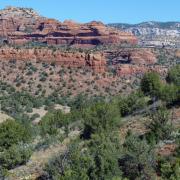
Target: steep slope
{"points": [[22, 25], [95, 61]]}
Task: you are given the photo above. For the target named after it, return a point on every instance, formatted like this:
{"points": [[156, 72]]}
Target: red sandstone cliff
{"points": [[131, 55], [22, 25], [131, 61], [96, 62]]}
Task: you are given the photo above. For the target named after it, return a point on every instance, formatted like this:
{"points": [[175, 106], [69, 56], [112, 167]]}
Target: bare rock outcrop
{"points": [[131, 56], [96, 62], [22, 25], [143, 56]]}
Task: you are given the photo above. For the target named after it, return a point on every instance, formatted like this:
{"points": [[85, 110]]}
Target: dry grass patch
{"points": [[4, 117]]}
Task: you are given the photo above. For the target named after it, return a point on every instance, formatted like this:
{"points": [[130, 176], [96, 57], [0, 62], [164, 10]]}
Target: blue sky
{"points": [[108, 11]]}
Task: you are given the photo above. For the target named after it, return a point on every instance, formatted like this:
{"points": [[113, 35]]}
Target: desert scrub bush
{"points": [[131, 103], [151, 84], [174, 75], [138, 160], [39, 86], [45, 65], [169, 93], [169, 167], [29, 73], [96, 158], [12, 132], [52, 122], [15, 156], [42, 78], [53, 64], [160, 126], [14, 148], [100, 117]]}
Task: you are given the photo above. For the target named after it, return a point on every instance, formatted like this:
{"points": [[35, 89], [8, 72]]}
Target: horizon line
{"points": [[97, 20]]}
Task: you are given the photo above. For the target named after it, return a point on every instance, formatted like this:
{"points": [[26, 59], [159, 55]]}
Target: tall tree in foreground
{"points": [[95, 156], [160, 126], [138, 159]]}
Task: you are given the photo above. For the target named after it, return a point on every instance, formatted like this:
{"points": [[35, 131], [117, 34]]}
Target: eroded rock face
{"points": [[134, 61], [143, 56], [132, 56], [22, 25], [96, 62]]}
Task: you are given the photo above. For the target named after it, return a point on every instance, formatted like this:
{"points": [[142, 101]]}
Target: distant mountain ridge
{"points": [[152, 24], [153, 33]]}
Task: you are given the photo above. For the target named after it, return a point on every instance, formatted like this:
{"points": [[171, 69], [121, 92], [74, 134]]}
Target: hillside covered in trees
{"points": [[117, 137], [88, 101]]}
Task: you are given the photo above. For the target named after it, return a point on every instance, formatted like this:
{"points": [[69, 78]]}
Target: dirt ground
{"points": [[34, 168], [4, 117]]}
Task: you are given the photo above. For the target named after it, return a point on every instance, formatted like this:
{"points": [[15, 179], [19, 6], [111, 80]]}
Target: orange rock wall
{"points": [[21, 25], [96, 62]]}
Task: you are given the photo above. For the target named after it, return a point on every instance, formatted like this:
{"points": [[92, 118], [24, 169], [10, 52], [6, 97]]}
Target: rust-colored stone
{"points": [[21, 25], [96, 62], [132, 55]]}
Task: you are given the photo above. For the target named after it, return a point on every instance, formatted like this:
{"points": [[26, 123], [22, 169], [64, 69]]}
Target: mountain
{"points": [[153, 33], [23, 25], [30, 36]]}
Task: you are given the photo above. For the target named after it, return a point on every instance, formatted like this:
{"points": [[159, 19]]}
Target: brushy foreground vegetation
{"points": [[99, 151]]}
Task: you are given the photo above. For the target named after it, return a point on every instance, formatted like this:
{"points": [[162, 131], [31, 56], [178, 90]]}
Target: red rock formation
{"points": [[129, 69], [131, 55], [20, 25], [143, 56], [97, 62], [126, 69]]}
